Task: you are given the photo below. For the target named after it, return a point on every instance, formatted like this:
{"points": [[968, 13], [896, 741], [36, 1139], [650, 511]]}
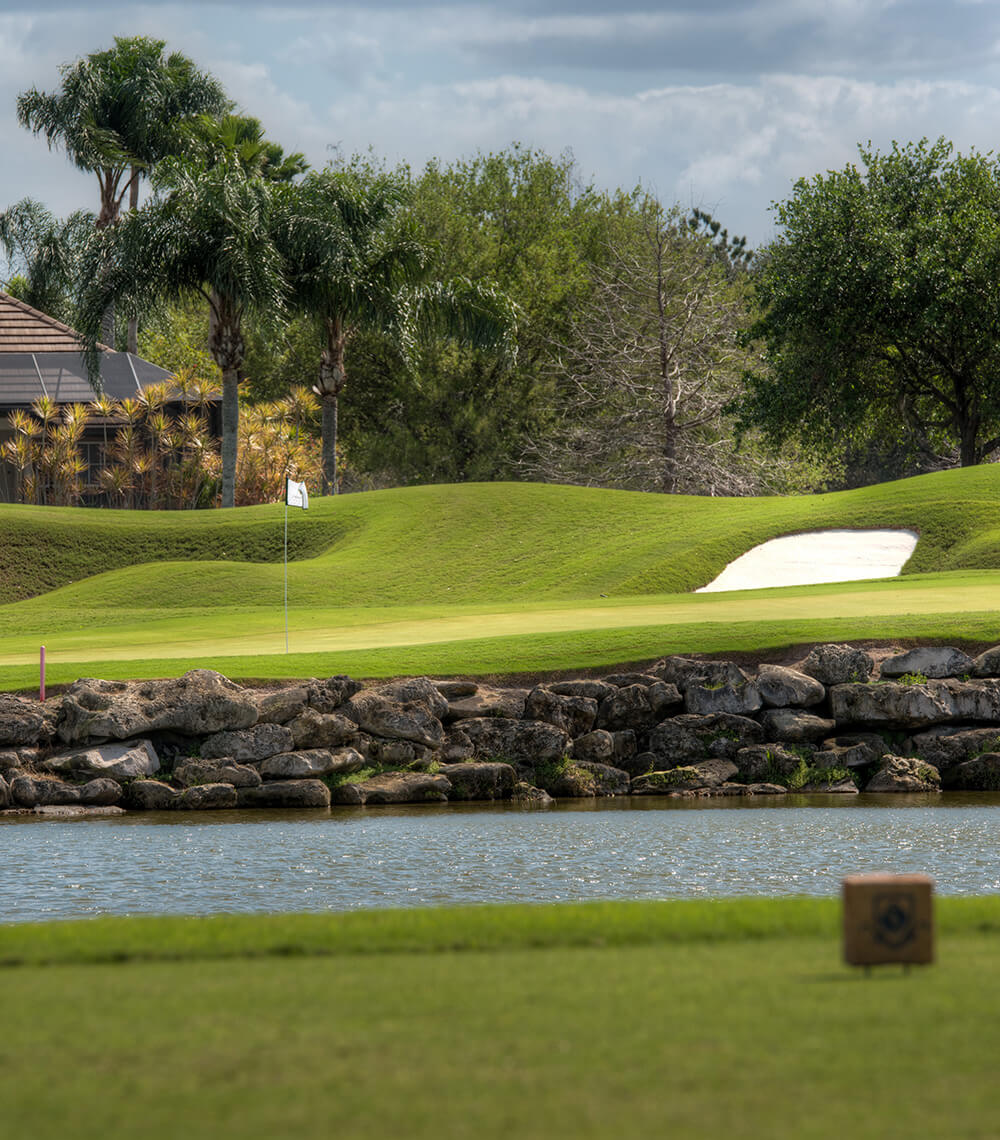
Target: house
{"points": [[40, 356]]}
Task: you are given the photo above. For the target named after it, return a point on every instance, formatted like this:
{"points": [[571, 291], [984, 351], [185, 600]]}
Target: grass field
{"points": [[685, 1019], [487, 578]]}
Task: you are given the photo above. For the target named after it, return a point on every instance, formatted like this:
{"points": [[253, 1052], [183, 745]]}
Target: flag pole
{"points": [[286, 566]]}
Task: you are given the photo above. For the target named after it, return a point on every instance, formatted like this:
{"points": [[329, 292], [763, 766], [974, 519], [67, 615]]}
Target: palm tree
{"points": [[208, 231], [117, 113], [355, 262], [45, 255]]}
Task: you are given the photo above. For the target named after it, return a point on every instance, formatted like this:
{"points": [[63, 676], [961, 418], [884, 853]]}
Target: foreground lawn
{"points": [[690, 1020], [476, 578]]}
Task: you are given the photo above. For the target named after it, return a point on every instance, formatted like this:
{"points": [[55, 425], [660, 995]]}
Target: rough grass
{"points": [[476, 578], [634, 1020]]}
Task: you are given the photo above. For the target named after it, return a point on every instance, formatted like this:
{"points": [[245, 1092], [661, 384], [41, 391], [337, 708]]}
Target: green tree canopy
{"points": [[880, 304]]}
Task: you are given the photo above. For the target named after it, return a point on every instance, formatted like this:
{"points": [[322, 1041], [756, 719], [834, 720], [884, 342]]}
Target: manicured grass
{"points": [[487, 578], [729, 1018]]}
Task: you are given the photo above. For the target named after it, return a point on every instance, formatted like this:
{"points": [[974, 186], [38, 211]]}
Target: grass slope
{"points": [[475, 578], [691, 1019]]}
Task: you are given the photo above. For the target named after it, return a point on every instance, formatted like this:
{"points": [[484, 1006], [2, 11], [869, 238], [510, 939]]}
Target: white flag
{"points": [[296, 495]]}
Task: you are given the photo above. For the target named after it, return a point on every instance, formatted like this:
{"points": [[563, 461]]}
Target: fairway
{"points": [[488, 578], [686, 1020]]}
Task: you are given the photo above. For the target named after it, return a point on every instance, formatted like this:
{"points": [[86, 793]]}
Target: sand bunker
{"points": [[821, 556]]}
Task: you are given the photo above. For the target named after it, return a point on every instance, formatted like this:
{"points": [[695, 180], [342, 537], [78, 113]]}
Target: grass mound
{"points": [[493, 578]]}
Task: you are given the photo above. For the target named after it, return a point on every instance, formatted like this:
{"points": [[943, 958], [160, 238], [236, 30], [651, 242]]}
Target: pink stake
{"points": [[41, 674]]}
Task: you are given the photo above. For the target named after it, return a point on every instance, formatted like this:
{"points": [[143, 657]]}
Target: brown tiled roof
{"points": [[24, 329]]}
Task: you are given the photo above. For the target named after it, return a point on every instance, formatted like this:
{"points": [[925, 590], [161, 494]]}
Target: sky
{"points": [[709, 103]]}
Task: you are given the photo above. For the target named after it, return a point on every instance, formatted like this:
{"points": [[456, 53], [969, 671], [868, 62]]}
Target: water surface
{"points": [[641, 848]]}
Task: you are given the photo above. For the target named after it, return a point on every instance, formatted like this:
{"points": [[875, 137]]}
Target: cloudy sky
{"points": [[707, 102]]}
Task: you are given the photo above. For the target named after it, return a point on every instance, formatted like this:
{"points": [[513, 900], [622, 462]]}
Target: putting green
{"points": [[259, 631]]}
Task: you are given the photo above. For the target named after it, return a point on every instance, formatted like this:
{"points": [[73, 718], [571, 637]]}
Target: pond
{"points": [[640, 848]]}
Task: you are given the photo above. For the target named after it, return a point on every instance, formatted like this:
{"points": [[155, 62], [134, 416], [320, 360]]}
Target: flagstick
{"points": [[286, 570]]}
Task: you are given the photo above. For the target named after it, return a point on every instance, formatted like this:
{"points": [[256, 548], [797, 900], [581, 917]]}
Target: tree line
{"points": [[497, 317]]}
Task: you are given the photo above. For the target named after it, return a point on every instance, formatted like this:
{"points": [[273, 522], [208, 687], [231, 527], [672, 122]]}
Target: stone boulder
{"points": [[26, 722], [987, 664], [457, 746], [894, 705], [838, 664], [39, 791], [686, 671], [705, 698], [505, 703], [76, 811], [593, 689], [834, 785], [569, 781], [480, 781], [396, 788], [149, 795], [312, 729], [850, 750], [788, 688], [197, 704], [394, 720], [453, 690], [310, 764], [640, 763], [794, 726], [606, 779], [638, 707], [396, 753], [247, 745], [285, 794], [980, 774], [598, 747], [415, 690], [327, 696], [687, 738], [623, 680], [191, 772], [206, 797], [4, 793], [530, 796], [768, 764], [930, 661], [132, 761], [519, 742], [626, 744], [279, 706], [282, 705], [703, 775], [574, 715], [904, 774], [946, 746], [766, 790]]}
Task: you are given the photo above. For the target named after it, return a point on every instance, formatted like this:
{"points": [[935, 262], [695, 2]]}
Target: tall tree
{"points": [[208, 231], [117, 113], [880, 305], [356, 264], [651, 359]]}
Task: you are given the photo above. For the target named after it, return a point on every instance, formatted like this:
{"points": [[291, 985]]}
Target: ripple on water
{"points": [[646, 849]]}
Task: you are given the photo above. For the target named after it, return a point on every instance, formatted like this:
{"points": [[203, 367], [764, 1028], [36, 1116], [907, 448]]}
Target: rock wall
{"points": [[919, 721]]}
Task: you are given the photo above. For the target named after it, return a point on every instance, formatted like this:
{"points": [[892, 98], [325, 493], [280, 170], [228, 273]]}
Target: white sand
{"points": [[821, 556]]}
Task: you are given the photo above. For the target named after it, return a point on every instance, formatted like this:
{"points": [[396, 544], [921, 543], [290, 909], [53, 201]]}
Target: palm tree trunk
{"points": [[230, 429], [133, 323], [329, 430], [332, 378]]}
